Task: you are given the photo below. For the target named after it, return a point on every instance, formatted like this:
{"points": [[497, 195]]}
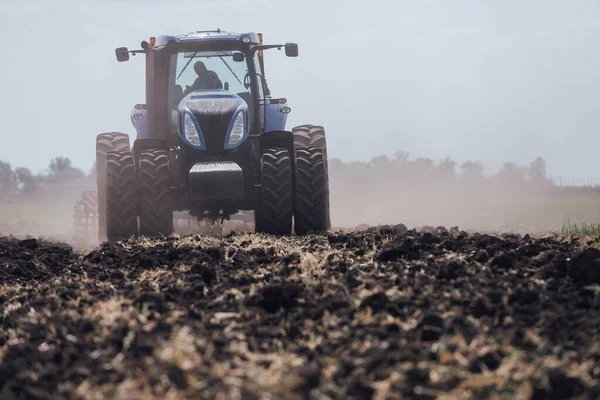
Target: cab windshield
{"points": [[206, 71]]}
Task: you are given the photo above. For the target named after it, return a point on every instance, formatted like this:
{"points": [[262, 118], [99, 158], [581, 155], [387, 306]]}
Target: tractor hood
{"points": [[213, 119]]}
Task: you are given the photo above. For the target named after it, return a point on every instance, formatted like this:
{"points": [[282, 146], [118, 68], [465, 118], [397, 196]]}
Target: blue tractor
{"points": [[211, 141]]}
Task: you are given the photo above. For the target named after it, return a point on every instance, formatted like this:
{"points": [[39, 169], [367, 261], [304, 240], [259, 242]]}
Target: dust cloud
{"points": [[422, 193], [386, 190], [45, 215]]}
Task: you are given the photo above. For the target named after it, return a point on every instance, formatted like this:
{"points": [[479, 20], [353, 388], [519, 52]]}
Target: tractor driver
{"points": [[212, 80], [206, 79]]}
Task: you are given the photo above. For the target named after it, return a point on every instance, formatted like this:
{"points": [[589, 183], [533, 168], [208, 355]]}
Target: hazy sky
{"points": [[491, 81]]}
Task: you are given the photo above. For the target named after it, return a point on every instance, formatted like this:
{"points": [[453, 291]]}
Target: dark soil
{"points": [[386, 313]]}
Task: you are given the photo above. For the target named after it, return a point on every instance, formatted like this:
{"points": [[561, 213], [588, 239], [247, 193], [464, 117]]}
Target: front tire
{"points": [[275, 212], [105, 143], [311, 212], [121, 196], [311, 136], [156, 213]]}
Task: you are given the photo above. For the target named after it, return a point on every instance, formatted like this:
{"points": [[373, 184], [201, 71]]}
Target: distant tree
{"points": [[60, 170], [445, 169], [401, 157], [382, 162], [8, 182], [90, 177], [472, 172], [471, 169], [511, 173], [537, 170], [29, 183], [537, 174], [423, 166]]}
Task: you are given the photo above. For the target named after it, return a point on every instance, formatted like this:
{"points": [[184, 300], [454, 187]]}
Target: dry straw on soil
{"points": [[377, 314]]}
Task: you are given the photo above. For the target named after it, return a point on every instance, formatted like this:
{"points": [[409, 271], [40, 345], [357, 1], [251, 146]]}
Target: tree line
{"points": [[417, 191], [401, 169], [397, 170], [60, 172]]}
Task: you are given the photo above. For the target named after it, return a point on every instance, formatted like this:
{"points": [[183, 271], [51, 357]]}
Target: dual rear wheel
{"points": [[295, 187], [127, 190]]}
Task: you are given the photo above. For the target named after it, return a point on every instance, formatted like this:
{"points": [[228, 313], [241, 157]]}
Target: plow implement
{"points": [[85, 215]]}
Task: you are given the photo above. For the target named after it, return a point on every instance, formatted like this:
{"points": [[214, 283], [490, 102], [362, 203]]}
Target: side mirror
{"points": [[122, 54], [291, 49], [226, 86], [238, 57]]}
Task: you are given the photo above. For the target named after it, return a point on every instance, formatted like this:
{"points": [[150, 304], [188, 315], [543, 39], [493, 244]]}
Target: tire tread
{"points": [[121, 196], [275, 212], [105, 143], [312, 210], [156, 214]]}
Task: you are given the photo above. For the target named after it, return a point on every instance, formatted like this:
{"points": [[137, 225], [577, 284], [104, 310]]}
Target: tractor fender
{"points": [[273, 139], [275, 118]]}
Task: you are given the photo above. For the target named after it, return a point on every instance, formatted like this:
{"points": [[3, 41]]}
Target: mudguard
{"points": [[274, 139], [275, 118]]}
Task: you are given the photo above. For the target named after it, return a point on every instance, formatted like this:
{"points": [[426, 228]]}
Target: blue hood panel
{"points": [[213, 103]]}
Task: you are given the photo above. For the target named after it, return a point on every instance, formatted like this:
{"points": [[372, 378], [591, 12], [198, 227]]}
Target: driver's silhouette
{"points": [[206, 79]]}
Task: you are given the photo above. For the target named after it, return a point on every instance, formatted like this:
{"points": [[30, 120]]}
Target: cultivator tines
{"points": [[184, 223], [85, 215]]}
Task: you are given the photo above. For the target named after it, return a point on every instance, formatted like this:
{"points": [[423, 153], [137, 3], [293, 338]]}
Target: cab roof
{"points": [[207, 36]]}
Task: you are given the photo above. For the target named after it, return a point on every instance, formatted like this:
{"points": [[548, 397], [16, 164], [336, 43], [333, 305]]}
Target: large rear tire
{"points": [[156, 213], [105, 143], [311, 212], [121, 196], [275, 211], [311, 136]]}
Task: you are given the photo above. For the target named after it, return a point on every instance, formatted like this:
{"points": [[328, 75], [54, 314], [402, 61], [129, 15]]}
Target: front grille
{"points": [[214, 128], [217, 180]]}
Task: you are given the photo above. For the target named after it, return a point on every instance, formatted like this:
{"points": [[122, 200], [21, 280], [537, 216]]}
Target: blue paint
{"points": [[275, 119], [212, 94]]}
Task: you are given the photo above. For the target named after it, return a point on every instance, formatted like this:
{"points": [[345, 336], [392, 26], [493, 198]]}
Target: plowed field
{"points": [[377, 314]]}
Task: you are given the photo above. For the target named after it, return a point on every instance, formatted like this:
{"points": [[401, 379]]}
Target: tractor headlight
{"points": [[190, 131], [237, 130]]}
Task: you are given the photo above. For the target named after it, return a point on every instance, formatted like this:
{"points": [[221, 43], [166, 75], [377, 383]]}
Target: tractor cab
{"points": [[208, 89]]}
